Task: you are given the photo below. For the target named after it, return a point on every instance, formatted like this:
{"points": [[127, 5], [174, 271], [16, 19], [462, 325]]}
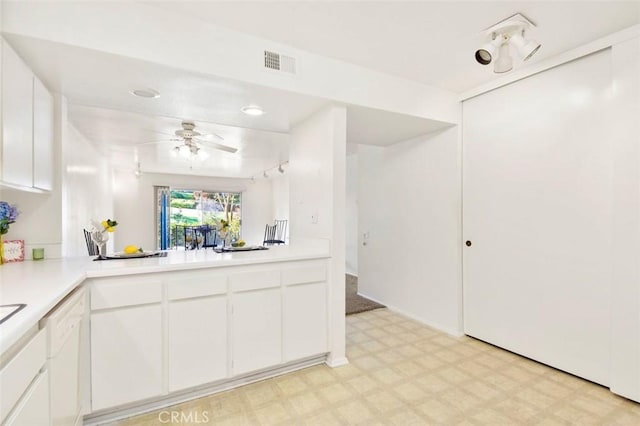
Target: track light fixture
{"points": [[502, 36], [265, 174]]}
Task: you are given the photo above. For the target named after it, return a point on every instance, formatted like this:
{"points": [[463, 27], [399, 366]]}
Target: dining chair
{"points": [[270, 236], [281, 229], [92, 248], [210, 235]]}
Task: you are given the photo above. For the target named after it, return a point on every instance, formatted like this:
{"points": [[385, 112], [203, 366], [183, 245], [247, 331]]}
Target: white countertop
{"points": [[43, 284]]}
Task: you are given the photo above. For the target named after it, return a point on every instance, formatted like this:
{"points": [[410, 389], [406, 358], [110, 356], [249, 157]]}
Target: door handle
{"points": [[468, 243]]}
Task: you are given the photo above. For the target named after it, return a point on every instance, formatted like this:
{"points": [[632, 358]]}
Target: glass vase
{"points": [[100, 239]]}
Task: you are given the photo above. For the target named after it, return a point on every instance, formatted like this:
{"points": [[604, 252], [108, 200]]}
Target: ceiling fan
{"points": [[192, 139]]}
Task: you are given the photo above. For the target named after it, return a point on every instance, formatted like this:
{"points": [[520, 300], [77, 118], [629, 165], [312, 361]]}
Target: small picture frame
{"points": [[13, 251]]}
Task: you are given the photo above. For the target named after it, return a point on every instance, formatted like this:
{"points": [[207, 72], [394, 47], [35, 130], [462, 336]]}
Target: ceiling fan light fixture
{"points": [[146, 93], [253, 110]]}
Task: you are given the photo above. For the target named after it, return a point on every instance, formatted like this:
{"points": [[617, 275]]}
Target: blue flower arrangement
{"points": [[8, 215]]}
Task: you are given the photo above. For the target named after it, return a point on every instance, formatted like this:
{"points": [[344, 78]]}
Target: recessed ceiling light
{"points": [[252, 110], [146, 93]]}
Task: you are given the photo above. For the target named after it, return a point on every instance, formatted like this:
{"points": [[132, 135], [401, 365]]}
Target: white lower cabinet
{"points": [[154, 335], [256, 330], [126, 355], [33, 409], [197, 341], [305, 320]]}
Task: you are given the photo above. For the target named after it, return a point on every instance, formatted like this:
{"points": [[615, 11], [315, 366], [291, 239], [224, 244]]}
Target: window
{"points": [[189, 207]]}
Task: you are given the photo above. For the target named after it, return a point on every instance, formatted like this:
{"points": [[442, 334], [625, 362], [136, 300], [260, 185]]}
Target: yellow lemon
{"points": [[241, 243], [131, 249]]}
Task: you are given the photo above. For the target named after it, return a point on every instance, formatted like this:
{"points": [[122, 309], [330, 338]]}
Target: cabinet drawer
{"points": [[254, 280], [105, 295], [199, 287], [304, 275], [16, 376]]}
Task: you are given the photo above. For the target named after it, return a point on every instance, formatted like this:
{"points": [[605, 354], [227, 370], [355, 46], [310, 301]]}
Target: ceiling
{"points": [[430, 42], [97, 86], [426, 41]]}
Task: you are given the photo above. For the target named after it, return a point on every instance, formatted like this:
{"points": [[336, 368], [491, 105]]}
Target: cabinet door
{"points": [[305, 320], [197, 341], [17, 119], [42, 136], [257, 330], [33, 409], [126, 355]]}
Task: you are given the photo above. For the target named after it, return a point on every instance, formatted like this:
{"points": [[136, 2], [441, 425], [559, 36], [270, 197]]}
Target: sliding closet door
{"points": [[537, 212]]}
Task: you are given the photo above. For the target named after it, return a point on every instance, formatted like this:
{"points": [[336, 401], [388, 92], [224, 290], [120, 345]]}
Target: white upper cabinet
{"points": [[42, 137], [17, 119], [27, 126]]}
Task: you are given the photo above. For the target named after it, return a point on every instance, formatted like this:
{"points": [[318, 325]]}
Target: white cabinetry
{"points": [[197, 332], [126, 343], [27, 126], [257, 330], [17, 120], [24, 388], [42, 137], [33, 409], [156, 334], [305, 311]]}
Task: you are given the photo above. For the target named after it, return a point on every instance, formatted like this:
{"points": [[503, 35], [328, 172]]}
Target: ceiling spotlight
{"points": [[146, 93], [265, 175], [280, 169], [509, 32], [486, 53], [254, 110], [504, 63], [138, 171], [526, 49]]}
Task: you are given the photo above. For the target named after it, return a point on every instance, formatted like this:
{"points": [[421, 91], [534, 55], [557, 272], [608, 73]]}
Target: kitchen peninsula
{"points": [[160, 330]]}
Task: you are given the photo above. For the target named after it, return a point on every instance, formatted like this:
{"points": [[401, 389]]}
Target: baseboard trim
{"points": [[439, 327], [141, 407], [337, 362]]}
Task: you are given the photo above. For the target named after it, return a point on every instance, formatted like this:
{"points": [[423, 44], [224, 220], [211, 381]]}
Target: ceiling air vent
{"points": [[277, 62]]}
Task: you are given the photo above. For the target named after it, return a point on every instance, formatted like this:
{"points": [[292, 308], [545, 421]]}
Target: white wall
{"points": [[409, 205], [351, 214], [86, 192], [317, 202], [134, 204], [280, 194]]}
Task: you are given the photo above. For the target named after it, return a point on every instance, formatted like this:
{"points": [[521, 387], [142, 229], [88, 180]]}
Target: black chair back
{"points": [[92, 248], [270, 236], [281, 230]]}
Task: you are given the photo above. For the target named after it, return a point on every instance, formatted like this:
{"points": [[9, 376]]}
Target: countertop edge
{"points": [[31, 315]]}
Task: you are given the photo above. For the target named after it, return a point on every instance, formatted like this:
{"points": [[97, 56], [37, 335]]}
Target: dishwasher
{"points": [[63, 359]]}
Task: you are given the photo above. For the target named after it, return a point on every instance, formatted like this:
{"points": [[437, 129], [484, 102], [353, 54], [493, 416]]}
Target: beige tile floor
{"points": [[403, 373]]}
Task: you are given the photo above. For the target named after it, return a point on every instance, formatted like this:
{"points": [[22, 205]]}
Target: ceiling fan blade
{"points": [[212, 135], [216, 145], [162, 141]]}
